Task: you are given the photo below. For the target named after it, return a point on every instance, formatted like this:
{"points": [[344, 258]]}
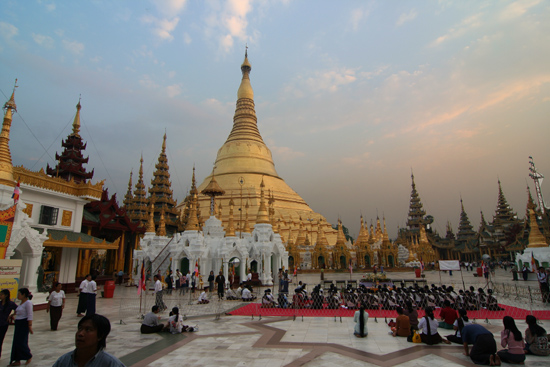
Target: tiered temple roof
{"points": [[137, 208], [161, 193], [71, 161], [416, 210]]}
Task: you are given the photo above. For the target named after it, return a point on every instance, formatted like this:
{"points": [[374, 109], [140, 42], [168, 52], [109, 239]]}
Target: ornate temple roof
{"points": [[70, 163], [6, 167]]}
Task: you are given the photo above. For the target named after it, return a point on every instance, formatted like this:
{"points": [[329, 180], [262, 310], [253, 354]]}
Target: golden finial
{"points": [[6, 166], [151, 223], [262, 210], [76, 122], [230, 224], [164, 143]]}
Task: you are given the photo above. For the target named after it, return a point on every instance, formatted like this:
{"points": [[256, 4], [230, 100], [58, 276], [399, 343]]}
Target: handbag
{"points": [[416, 337]]}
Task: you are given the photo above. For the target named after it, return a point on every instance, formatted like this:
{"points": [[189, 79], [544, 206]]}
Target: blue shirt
{"points": [[101, 359], [472, 331]]}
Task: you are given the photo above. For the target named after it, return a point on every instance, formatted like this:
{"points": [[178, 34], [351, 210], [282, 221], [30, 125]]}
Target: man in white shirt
{"points": [[158, 293], [91, 290], [249, 277], [203, 298], [83, 296]]}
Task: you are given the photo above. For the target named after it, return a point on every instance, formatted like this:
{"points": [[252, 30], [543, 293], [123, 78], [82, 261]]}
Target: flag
{"points": [[350, 268], [295, 270], [142, 286], [16, 193], [533, 264], [197, 268]]}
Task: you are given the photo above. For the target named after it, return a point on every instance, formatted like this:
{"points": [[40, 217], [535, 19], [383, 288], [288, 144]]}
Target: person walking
{"points": [[158, 293], [169, 284], [211, 281], [220, 281], [56, 304], [7, 306], [92, 294], [23, 326], [525, 272], [83, 295]]}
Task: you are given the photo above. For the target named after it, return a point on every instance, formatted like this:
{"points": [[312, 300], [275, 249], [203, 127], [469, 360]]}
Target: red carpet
{"points": [[254, 309]]}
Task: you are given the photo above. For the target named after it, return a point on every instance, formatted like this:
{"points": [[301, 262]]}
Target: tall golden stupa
{"points": [[243, 163]]}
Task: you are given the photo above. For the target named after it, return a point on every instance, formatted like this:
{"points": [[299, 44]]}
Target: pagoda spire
{"points": [[465, 229], [162, 225], [385, 236], [128, 197], [138, 208], [161, 191], [70, 162], [416, 211], [76, 122], [231, 223], [504, 215], [6, 166], [536, 238], [262, 216], [192, 221], [151, 222], [246, 228]]}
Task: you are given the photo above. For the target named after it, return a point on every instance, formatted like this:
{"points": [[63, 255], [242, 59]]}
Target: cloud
{"points": [[171, 7], [75, 47], [357, 160], [331, 80], [187, 38], [517, 9], [459, 30], [162, 28], [283, 153], [406, 17], [44, 41], [8, 30], [173, 90], [357, 15], [49, 6], [228, 21], [96, 59]]}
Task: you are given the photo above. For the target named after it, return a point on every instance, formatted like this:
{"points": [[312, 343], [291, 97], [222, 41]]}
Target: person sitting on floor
{"points": [[458, 326], [360, 318], [492, 303], [230, 295], [151, 322], [536, 338], [247, 294], [298, 300], [267, 300], [282, 300], [402, 324], [428, 324], [511, 337], [447, 315], [203, 298]]}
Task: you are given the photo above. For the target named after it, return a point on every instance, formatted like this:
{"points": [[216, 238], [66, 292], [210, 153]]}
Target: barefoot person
{"points": [[484, 347], [23, 326], [511, 337], [56, 304], [90, 342], [7, 306]]}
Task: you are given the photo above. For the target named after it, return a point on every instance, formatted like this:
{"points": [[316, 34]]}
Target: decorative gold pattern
{"points": [[28, 210], [42, 180], [65, 242], [67, 218]]}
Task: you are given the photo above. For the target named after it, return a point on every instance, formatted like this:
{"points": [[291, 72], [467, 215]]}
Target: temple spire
{"points": [[128, 197], [263, 216], [138, 208], [6, 166], [76, 122]]}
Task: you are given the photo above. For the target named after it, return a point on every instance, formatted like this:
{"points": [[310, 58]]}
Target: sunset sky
{"points": [[350, 95]]}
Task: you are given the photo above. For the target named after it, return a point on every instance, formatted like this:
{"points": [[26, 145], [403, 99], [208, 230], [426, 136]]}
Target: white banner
{"points": [[449, 265]]}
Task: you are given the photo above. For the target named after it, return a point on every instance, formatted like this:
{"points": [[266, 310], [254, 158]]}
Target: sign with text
{"points": [[9, 275], [449, 265]]}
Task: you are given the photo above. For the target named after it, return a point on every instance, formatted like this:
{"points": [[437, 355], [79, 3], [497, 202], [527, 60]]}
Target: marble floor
{"points": [[224, 340]]}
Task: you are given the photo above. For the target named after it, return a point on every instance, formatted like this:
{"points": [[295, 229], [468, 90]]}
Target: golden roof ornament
{"points": [[262, 210], [162, 224], [212, 190], [151, 222], [230, 224], [6, 166], [192, 222], [76, 122]]}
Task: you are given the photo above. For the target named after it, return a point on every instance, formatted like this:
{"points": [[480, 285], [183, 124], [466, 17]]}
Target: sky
{"points": [[351, 96]]}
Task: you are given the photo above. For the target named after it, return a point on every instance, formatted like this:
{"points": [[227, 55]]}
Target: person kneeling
{"points": [[203, 298], [151, 322], [361, 317]]}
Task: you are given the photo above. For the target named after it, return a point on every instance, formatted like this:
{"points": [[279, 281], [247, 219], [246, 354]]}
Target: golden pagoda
{"points": [[244, 162]]}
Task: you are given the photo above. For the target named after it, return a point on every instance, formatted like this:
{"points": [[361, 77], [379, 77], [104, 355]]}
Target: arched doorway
{"points": [[321, 261], [391, 261], [234, 270], [343, 263], [254, 266], [367, 261], [184, 265], [291, 262]]}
